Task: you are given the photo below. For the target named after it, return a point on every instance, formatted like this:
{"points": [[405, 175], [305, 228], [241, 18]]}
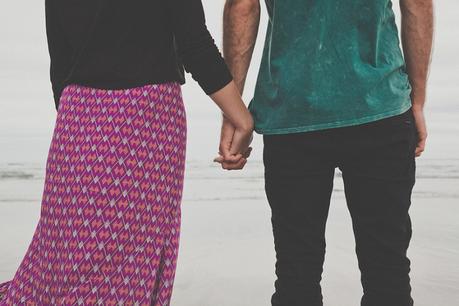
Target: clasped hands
{"points": [[234, 149]]}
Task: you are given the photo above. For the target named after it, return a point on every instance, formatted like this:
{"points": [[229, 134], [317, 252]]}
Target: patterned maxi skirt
{"points": [[109, 227]]}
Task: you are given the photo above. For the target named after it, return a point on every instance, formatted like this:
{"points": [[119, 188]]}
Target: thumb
{"points": [[226, 140], [239, 145]]}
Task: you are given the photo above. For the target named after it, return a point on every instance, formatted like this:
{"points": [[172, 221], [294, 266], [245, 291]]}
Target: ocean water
{"points": [[226, 254]]}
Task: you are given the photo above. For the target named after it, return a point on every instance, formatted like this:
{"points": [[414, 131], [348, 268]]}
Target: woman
{"points": [[109, 227]]}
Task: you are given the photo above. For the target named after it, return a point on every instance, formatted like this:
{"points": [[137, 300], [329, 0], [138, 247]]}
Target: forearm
{"points": [[196, 47], [230, 102], [417, 39], [241, 22]]}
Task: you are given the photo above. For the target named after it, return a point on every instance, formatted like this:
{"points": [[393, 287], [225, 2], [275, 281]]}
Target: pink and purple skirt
{"points": [[109, 228]]}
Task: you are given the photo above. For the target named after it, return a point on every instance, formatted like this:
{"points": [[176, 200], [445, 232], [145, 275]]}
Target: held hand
{"points": [[421, 127], [226, 138], [237, 128], [234, 144]]}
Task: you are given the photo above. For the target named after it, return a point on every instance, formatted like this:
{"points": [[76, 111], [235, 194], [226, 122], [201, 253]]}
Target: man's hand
{"points": [[421, 127], [417, 39], [234, 145], [241, 21]]}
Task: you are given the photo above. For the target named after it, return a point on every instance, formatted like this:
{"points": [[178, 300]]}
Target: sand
{"points": [[226, 255]]}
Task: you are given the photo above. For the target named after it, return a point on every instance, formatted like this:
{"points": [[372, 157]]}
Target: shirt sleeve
{"points": [[196, 47], [59, 51]]}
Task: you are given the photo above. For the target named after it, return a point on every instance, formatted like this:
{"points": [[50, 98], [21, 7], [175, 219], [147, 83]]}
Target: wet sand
{"points": [[226, 255]]}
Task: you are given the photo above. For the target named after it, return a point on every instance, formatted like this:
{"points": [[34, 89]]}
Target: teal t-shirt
{"points": [[328, 64]]}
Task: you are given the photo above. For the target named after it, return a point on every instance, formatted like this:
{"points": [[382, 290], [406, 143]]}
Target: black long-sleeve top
{"points": [[118, 44]]}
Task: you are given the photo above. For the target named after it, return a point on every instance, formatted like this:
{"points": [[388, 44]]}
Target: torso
{"points": [[329, 63]]}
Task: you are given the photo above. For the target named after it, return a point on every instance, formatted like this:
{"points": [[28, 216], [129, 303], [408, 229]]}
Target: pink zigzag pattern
{"points": [[109, 228]]}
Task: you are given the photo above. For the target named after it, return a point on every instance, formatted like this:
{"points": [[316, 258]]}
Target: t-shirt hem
{"points": [[337, 124]]}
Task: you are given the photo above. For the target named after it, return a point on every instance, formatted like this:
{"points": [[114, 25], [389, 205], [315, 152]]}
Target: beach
{"points": [[226, 255]]}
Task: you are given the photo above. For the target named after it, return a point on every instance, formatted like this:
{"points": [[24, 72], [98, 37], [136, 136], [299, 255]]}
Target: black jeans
{"points": [[377, 161]]}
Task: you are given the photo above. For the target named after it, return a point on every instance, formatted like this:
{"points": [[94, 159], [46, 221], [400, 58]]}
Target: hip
{"points": [[147, 122], [142, 105], [392, 138]]}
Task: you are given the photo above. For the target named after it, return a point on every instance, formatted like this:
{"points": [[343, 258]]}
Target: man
{"points": [[334, 90]]}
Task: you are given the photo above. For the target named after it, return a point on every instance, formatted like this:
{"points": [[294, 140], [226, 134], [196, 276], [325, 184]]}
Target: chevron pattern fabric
{"points": [[109, 228]]}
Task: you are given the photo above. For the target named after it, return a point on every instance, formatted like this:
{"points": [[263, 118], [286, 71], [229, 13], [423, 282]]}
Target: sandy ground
{"points": [[226, 255]]}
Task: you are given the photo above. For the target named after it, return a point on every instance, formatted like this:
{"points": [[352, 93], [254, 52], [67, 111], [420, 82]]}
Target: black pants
{"points": [[378, 166]]}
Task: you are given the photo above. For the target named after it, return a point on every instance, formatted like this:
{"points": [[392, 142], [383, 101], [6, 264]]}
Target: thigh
{"points": [[379, 166], [298, 183], [379, 175]]}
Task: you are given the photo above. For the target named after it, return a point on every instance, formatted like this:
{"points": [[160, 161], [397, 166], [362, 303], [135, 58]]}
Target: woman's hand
{"points": [[237, 128], [235, 143]]}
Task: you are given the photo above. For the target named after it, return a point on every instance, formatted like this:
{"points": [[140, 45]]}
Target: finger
{"points": [[242, 165], [248, 153], [419, 151], [240, 143], [420, 148], [222, 160], [226, 139], [234, 166], [225, 150], [229, 166], [219, 159], [233, 159], [229, 158], [239, 165], [236, 144]]}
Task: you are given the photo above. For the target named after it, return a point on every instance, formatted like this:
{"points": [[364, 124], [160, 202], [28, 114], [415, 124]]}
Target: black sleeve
{"points": [[196, 47], [59, 51]]}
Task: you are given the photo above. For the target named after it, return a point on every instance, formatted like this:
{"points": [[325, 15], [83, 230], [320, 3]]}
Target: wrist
{"points": [[417, 107], [418, 97], [246, 124], [418, 100], [243, 123]]}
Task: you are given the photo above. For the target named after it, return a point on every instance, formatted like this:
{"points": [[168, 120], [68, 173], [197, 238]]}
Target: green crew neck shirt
{"points": [[329, 64]]}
